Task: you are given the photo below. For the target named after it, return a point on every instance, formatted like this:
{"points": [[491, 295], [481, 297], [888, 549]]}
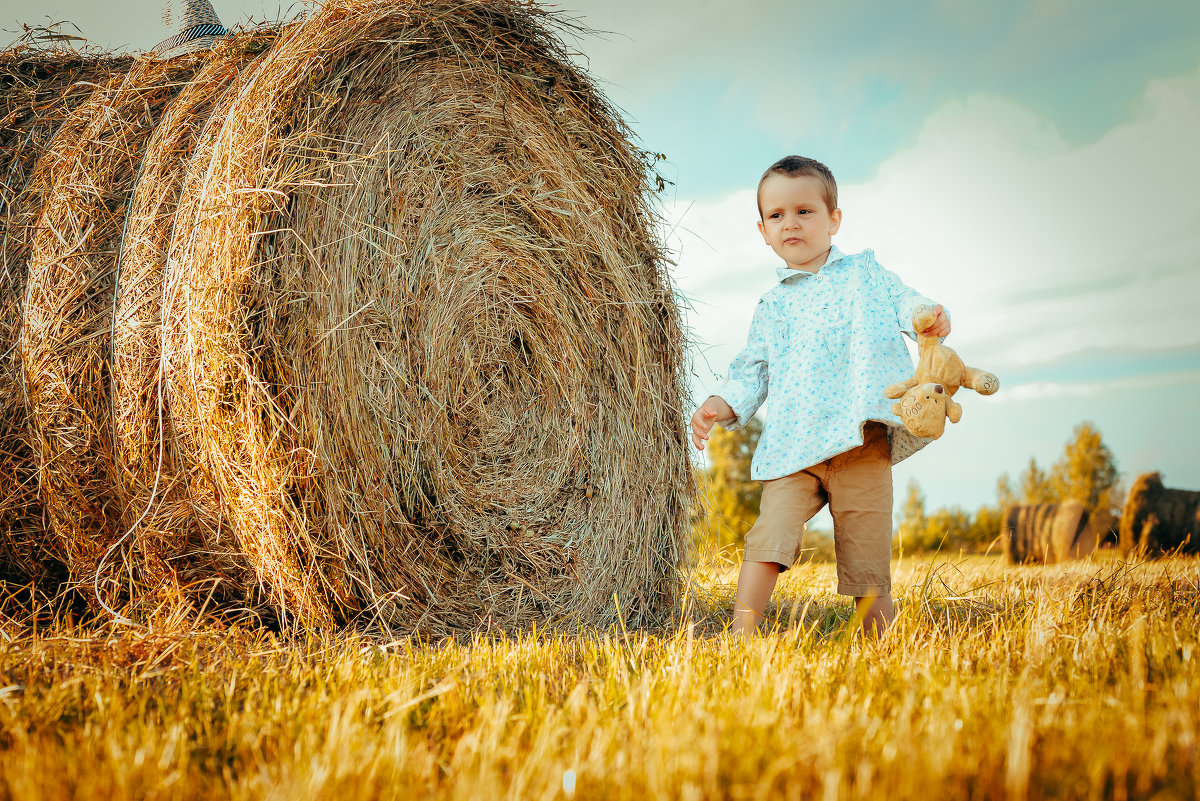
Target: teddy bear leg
{"points": [[923, 317], [981, 381]]}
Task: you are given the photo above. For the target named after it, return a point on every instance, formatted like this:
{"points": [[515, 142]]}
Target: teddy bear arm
{"points": [[897, 390]]}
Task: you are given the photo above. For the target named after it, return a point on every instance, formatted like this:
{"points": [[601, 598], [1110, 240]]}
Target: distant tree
{"points": [[948, 528], [1087, 471], [989, 520], [1005, 495], [731, 499], [1036, 486], [910, 532], [985, 526]]}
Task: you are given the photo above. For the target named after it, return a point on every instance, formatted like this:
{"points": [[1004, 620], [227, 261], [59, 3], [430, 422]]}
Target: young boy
{"points": [[824, 342]]}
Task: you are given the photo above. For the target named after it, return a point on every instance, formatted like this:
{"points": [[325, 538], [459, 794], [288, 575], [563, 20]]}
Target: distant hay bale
{"points": [[39, 90], [1046, 533], [1157, 520], [392, 330]]}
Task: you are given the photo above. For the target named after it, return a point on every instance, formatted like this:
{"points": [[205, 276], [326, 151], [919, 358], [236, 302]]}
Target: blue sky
{"points": [[1032, 165]]}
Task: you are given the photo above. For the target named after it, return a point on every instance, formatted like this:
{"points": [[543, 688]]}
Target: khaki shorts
{"points": [[857, 485]]}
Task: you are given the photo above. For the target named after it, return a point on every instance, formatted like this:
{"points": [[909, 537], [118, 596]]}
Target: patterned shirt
{"points": [[826, 344]]}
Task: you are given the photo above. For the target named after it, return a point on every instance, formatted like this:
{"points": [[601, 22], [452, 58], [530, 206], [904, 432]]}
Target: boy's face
{"points": [[795, 222]]}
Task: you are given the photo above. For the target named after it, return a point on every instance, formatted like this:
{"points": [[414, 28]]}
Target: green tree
{"points": [[731, 499]]}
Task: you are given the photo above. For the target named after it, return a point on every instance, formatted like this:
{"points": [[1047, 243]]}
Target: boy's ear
{"points": [[835, 221], [761, 231]]}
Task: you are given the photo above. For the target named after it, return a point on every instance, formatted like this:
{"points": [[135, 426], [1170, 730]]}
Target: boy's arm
{"points": [[713, 410], [905, 301], [739, 398]]}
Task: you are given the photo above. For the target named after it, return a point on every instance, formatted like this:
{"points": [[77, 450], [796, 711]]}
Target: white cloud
{"points": [[1060, 391], [1040, 250], [1043, 251]]}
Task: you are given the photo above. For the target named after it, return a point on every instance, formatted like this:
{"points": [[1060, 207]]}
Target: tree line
{"points": [[1085, 471]]}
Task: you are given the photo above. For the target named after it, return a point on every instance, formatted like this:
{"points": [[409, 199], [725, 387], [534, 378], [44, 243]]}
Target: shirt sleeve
{"points": [[904, 299], [749, 375]]}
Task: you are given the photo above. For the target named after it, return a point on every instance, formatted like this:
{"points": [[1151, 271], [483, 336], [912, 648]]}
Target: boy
{"points": [[826, 339]]}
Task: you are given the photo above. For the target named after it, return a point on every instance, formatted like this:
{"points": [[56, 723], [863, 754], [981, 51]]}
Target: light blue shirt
{"points": [[824, 345]]}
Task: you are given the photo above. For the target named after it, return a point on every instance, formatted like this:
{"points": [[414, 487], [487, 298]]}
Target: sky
{"points": [[1030, 164]]}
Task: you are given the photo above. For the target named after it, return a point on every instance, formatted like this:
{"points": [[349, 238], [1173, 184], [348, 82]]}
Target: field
{"points": [[1076, 681]]}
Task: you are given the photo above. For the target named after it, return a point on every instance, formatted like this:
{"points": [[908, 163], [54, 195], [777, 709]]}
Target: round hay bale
{"points": [[1046, 533], [68, 306], [1157, 520], [177, 534], [418, 330], [39, 90]]}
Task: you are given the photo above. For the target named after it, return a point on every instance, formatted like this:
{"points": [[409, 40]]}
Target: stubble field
{"points": [[1076, 681]]}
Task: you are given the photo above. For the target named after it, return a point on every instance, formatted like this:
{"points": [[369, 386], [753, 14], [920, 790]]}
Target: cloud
{"points": [[1042, 250], [1052, 390]]}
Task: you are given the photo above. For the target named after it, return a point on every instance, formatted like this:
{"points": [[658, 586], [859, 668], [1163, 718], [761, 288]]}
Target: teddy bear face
{"points": [[924, 409]]}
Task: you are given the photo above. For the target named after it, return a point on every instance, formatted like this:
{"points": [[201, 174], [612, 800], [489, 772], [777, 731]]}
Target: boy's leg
{"points": [[756, 581], [877, 613], [772, 543], [860, 499]]}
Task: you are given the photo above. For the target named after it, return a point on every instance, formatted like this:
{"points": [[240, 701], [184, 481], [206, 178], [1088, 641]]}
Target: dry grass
{"points": [[996, 682]]}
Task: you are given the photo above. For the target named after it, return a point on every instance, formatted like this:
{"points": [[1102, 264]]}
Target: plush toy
{"points": [[927, 399]]}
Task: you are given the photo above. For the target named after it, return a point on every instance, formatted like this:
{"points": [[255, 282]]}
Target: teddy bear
{"points": [[927, 399]]}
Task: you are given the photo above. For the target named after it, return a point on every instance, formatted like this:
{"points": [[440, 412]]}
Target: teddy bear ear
{"points": [[954, 411]]}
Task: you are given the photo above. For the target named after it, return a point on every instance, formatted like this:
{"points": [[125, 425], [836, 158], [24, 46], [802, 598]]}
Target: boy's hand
{"points": [[712, 410], [940, 326]]}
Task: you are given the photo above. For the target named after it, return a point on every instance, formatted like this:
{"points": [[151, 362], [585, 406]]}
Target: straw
{"points": [[391, 341], [65, 340], [39, 90]]}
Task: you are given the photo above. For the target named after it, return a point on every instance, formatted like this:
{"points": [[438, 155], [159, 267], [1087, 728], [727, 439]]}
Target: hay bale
{"points": [[388, 337], [65, 340], [420, 336], [1157, 520], [177, 537], [1052, 532], [39, 90]]}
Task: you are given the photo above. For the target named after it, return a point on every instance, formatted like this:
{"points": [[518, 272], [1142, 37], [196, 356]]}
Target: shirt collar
{"points": [[784, 273]]}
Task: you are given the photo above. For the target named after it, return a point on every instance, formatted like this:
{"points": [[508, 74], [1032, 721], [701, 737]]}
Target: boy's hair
{"points": [[797, 166]]}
